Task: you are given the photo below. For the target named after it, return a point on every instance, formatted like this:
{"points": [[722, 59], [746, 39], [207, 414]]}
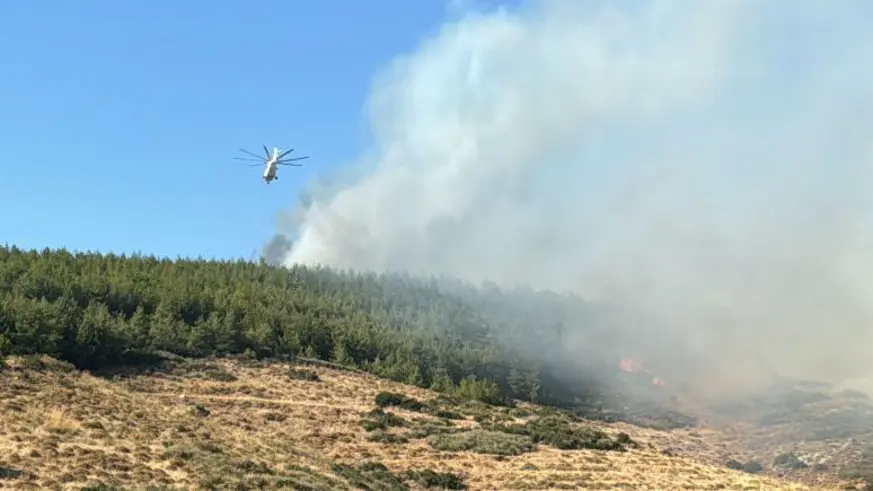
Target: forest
{"points": [[483, 342]]}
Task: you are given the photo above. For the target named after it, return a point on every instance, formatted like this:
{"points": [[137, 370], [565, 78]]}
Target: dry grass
{"points": [[225, 423]]}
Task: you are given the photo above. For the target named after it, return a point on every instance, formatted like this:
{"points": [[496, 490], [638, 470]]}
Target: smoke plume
{"points": [[275, 250], [708, 162]]}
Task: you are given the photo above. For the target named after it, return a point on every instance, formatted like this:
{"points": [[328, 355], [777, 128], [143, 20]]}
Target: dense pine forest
{"points": [[481, 342]]}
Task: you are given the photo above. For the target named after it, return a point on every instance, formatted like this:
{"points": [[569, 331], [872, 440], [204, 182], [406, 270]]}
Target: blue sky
{"points": [[120, 120]]}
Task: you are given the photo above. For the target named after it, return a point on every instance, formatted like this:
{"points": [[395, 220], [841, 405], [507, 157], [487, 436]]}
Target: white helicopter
{"points": [[271, 161]]}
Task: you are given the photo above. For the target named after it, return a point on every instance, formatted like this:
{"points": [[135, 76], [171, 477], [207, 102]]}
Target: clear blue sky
{"points": [[120, 120]]}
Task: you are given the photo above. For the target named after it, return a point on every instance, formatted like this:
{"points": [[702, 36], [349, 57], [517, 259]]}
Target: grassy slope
{"points": [[227, 422]]}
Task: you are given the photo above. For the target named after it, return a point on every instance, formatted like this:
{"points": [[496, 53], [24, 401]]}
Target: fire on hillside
{"points": [[631, 365]]}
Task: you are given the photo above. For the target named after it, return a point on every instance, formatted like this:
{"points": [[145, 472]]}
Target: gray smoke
{"points": [[706, 161], [276, 249]]}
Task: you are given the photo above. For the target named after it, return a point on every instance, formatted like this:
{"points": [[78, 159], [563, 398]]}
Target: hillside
{"points": [[477, 347], [95, 310], [246, 424]]}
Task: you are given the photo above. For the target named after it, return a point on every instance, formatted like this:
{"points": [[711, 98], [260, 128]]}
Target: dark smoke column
{"points": [[276, 249]]}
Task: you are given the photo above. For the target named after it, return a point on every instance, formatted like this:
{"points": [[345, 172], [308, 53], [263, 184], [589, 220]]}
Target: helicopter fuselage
{"points": [[270, 171]]}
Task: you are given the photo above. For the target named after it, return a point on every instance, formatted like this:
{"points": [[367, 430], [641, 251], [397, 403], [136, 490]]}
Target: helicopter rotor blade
{"points": [[246, 159], [266, 151], [255, 165], [294, 159], [286, 152], [250, 153], [289, 165]]}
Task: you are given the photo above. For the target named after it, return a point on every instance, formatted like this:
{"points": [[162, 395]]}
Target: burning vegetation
{"points": [[630, 365]]}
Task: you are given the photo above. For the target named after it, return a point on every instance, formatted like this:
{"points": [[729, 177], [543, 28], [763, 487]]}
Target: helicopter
{"points": [[271, 161]]}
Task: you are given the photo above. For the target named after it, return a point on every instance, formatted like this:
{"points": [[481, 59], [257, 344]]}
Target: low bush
{"points": [[557, 431], [371, 475], [393, 399], [302, 374], [378, 419], [439, 480], [483, 442], [381, 436]]}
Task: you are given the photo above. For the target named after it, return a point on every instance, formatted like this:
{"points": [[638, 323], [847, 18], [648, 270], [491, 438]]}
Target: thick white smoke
{"points": [[709, 161]]}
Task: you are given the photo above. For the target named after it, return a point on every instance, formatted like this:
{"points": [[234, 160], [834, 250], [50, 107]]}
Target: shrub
{"points": [[753, 467], [9, 473], [378, 419], [483, 390], [789, 460], [560, 434], [301, 374], [388, 399], [625, 439], [426, 430], [370, 475], [199, 410], [556, 431], [518, 412], [101, 487], [446, 414], [381, 436], [484, 442], [441, 480]]}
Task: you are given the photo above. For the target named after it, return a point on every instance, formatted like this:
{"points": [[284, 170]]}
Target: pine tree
{"points": [[442, 382]]}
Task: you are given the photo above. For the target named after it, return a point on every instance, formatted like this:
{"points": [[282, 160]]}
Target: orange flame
{"points": [[630, 365]]}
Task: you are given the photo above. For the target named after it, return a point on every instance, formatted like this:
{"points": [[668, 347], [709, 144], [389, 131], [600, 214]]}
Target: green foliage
{"points": [[5, 345], [790, 461], [486, 391], [484, 442], [9, 473], [438, 480], [378, 419], [432, 407], [382, 436], [203, 370], [375, 476], [300, 374], [425, 430], [561, 434], [559, 431], [96, 310], [447, 414], [370, 475], [388, 399]]}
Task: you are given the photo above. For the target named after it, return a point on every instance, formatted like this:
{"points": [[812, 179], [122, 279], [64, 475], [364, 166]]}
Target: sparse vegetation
{"points": [[482, 441], [439, 480], [378, 419], [392, 399], [381, 436], [301, 374], [790, 461], [753, 467], [266, 430], [560, 432], [371, 475]]}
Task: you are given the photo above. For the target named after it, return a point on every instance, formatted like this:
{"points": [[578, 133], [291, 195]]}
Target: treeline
{"points": [[96, 310]]}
